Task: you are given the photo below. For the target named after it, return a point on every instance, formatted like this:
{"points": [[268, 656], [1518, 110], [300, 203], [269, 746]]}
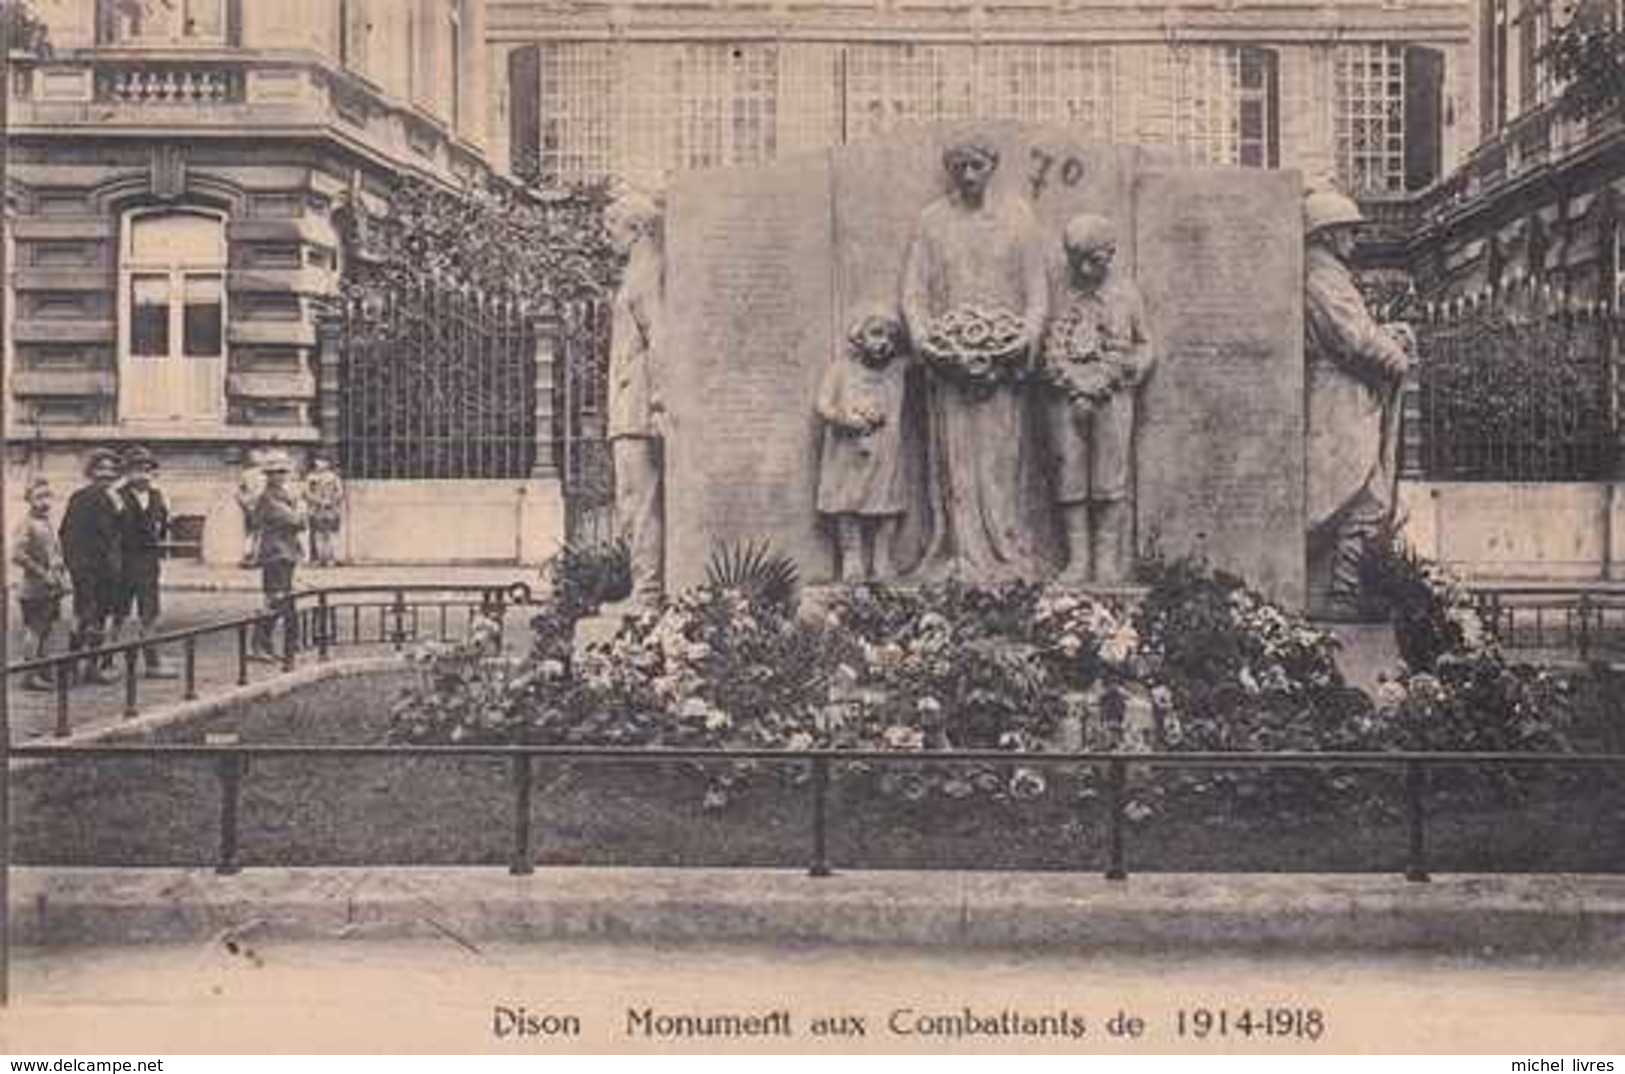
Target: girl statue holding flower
{"points": [[860, 472], [975, 296]]}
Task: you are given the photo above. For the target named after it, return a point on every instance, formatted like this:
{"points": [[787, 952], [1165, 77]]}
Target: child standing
{"points": [[37, 552], [324, 496], [860, 476]]}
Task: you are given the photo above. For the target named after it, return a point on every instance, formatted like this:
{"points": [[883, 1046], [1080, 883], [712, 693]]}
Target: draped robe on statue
{"points": [[991, 257]]}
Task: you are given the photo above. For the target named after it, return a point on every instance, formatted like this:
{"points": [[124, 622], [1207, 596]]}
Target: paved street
{"points": [[368, 995]]}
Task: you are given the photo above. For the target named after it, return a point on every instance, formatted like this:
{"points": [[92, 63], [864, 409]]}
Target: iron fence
{"points": [[315, 623], [1514, 386], [1546, 621], [581, 381], [437, 381], [233, 762]]}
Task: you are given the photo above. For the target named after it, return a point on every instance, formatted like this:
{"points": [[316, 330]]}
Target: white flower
{"points": [[801, 740], [898, 737], [717, 720], [551, 669], [696, 651], [1389, 696], [694, 708], [1119, 646], [1026, 783], [1248, 683]]}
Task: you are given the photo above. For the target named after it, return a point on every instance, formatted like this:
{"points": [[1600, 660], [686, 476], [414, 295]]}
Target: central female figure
{"points": [[975, 296]]}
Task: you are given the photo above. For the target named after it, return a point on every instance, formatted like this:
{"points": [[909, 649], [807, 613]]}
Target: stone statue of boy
{"points": [[636, 425], [1096, 356]]}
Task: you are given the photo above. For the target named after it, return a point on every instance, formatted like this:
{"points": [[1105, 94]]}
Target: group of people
{"points": [[979, 309], [323, 496], [107, 554]]}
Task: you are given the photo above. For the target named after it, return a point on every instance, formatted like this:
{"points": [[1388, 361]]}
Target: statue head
{"points": [[876, 337], [1091, 244], [1331, 220], [970, 164], [631, 218]]}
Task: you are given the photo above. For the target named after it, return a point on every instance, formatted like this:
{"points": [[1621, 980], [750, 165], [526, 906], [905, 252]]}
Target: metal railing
{"points": [[1550, 618], [1513, 386], [232, 765], [315, 622]]}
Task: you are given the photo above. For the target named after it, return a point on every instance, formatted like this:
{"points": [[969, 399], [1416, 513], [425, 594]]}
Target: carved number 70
{"points": [[1071, 170]]}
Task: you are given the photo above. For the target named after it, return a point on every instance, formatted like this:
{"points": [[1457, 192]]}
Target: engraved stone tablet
{"points": [[747, 330], [1221, 452]]}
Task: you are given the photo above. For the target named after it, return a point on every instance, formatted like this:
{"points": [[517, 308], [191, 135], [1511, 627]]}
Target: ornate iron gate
{"points": [[1515, 388], [581, 387], [437, 382]]}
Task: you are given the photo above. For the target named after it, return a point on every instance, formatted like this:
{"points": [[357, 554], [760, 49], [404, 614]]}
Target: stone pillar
{"points": [[329, 354], [548, 331]]}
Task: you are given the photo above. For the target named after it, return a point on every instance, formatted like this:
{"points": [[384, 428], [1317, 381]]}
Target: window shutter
{"points": [[105, 24], [1424, 116], [234, 23], [525, 110]]}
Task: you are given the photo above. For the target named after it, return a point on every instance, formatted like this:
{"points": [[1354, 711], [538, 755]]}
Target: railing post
{"points": [[290, 631], [64, 675], [242, 654], [398, 632], [189, 668], [1416, 866], [131, 701], [322, 640], [523, 861], [231, 793], [1583, 610], [1116, 779], [820, 791]]}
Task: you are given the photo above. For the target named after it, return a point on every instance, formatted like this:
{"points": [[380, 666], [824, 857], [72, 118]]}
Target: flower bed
{"points": [[1201, 663]]}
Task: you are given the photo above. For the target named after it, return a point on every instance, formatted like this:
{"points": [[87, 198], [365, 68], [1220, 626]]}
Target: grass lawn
{"points": [[454, 811]]}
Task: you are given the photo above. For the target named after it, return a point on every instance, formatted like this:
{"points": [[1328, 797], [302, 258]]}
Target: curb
{"points": [[1249, 913]]}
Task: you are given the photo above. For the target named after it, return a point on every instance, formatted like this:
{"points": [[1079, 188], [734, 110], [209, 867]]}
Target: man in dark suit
{"points": [[93, 547], [144, 529]]}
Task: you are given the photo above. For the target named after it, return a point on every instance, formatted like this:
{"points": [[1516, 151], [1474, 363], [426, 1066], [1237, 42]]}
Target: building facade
{"points": [[1378, 97], [1521, 245], [183, 175]]}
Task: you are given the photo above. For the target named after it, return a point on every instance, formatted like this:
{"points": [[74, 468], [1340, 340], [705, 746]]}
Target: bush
{"points": [[1202, 663]]}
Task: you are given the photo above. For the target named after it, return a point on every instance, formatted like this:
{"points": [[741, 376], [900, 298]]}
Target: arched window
{"points": [[173, 316]]}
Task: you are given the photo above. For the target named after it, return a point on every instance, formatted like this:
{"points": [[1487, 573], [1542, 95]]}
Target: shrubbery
{"points": [[1202, 662]]}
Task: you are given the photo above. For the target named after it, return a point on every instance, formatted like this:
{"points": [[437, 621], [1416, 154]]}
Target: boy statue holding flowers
{"points": [[1096, 356]]}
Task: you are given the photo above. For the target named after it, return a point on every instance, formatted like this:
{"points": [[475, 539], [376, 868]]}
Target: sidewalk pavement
{"points": [[1479, 915]]}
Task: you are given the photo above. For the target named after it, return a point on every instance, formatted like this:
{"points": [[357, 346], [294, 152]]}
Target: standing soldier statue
{"points": [[1096, 356], [636, 415], [1355, 368]]}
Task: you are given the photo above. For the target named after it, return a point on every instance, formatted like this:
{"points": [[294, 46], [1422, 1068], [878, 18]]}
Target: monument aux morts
{"points": [[767, 268]]}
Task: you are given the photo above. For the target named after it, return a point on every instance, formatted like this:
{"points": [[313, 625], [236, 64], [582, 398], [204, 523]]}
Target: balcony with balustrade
{"points": [[113, 92]]}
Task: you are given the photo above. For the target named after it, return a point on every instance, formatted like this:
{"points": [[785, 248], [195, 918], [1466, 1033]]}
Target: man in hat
{"points": [[280, 518], [145, 528], [1095, 359], [93, 546], [1354, 371]]}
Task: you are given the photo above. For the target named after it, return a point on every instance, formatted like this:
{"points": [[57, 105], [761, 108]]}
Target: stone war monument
{"points": [[771, 271]]}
